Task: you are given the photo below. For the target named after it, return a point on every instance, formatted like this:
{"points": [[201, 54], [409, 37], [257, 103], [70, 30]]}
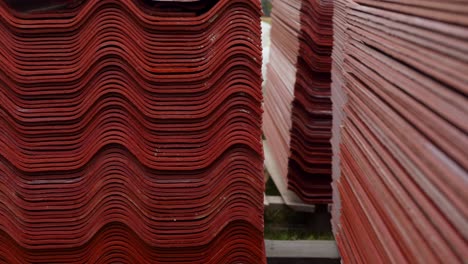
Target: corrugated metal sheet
{"points": [[400, 142], [128, 136], [298, 116]]}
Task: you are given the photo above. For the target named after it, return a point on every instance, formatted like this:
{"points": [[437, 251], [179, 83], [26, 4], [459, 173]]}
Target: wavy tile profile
{"points": [[131, 132], [298, 110]]}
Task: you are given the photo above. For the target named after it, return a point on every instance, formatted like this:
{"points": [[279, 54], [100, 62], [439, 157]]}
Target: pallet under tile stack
{"points": [[400, 84], [297, 119], [131, 133]]}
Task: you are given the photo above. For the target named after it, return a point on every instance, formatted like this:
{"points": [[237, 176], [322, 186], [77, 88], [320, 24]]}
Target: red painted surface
{"points": [[131, 137], [298, 116], [401, 142]]}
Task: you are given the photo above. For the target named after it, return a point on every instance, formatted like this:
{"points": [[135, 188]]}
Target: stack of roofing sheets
{"points": [[401, 77], [338, 100], [131, 133], [298, 119]]}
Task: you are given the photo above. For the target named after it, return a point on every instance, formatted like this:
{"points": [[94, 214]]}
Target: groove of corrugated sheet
{"points": [[128, 136]]}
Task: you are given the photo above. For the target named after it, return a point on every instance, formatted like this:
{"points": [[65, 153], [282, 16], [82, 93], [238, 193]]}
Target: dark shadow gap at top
{"points": [[166, 8]]}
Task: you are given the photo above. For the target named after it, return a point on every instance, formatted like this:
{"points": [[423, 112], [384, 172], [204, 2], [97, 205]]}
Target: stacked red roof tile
{"points": [[298, 111], [400, 139], [131, 132]]}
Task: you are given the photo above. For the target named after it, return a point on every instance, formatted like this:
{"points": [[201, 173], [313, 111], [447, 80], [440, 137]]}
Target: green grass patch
{"points": [[286, 224]]}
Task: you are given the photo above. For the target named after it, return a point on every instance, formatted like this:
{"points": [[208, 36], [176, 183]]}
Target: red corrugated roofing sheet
{"points": [[298, 117], [132, 137], [401, 144]]}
